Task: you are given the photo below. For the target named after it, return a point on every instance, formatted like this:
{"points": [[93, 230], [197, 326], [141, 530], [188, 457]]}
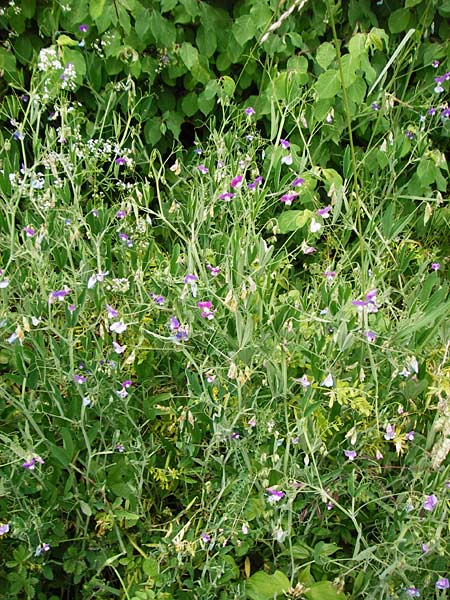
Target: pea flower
{"points": [[203, 170], [118, 349], [390, 432], [370, 335], [255, 183], [350, 454], [190, 278], [236, 182], [121, 160], [112, 312], [413, 592], [287, 199], [303, 381], [158, 299], [430, 502], [227, 196], [29, 231], [329, 275], [375, 106], [58, 295], [324, 212], [79, 378], [119, 448], [328, 381], [435, 266], [435, 64], [206, 538], [284, 144], [425, 548], [206, 308], [315, 226], [298, 181], [118, 327], [97, 277], [409, 437], [443, 583], [213, 270], [4, 284], [30, 465], [4, 528], [42, 548], [274, 495], [249, 111], [287, 160], [83, 28]]}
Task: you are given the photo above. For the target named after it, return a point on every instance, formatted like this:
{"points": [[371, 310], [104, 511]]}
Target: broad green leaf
{"points": [[244, 29], [96, 8], [357, 44], [426, 172], [327, 85], [325, 54], [411, 3], [228, 86], [65, 40], [173, 121], [291, 220], [378, 38], [152, 131], [297, 63], [399, 20], [206, 41], [357, 91], [206, 103], [189, 54], [323, 590], [7, 61], [163, 30], [262, 586], [348, 69], [168, 5], [28, 8], [189, 104]]}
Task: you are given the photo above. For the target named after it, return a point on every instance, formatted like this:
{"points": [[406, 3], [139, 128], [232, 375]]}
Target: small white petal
{"points": [[328, 381]]}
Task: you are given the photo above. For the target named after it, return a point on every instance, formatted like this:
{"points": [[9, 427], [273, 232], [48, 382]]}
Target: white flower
{"points": [[315, 226], [4, 283], [328, 381], [118, 327]]}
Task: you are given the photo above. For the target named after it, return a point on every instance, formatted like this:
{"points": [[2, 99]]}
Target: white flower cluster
{"points": [[68, 77], [106, 150], [48, 60]]}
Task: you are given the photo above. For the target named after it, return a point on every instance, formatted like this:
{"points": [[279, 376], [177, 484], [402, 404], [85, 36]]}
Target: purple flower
{"points": [[235, 435], [409, 134], [435, 64], [71, 308], [443, 583], [112, 312], [303, 381], [83, 28], [32, 463], [119, 448], [158, 299], [252, 422], [190, 278], [288, 198], [206, 308], [249, 111], [4, 528], [371, 296], [227, 196], [430, 502], [330, 275], [375, 106], [309, 250], [205, 538], [79, 378], [213, 270], [324, 212], [40, 549], [174, 323], [30, 232], [298, 181], [284, 144], [435, 266], [274, 495], [350, 454], [256, 182], [432, 111], [121, 214], [370, 335], [425, 548], [390, 432], [445, 113], [203, 170], [58, 295], [121, 160], [409, 437], [413, 592], [236, 182]]}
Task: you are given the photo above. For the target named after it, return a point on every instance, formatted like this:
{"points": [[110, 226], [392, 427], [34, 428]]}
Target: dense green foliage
{"points": [[224, 367]]}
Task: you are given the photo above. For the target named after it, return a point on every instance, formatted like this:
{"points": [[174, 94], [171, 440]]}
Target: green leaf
{"points": [[168, 5], [291, 220], [325, 54], [173, 120], [399, 20], [189, 54], [323, 590], [206, 41], [227, 86], [262, 586], [426, 172], [163, 30], [96, 8], [65, 40], [28, 8], [75, 57], [244, 29], [152, 131], [327, 85], [357, 44], [411, 3], [189, 104]]}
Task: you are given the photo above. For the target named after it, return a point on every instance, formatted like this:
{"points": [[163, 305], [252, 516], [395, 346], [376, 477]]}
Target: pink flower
{"points": [[284, 144], [203, 170], [236, 182], [430, 502], [298, 182], [350, 454], [226, 196], [288, 198], [324, 212]]}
